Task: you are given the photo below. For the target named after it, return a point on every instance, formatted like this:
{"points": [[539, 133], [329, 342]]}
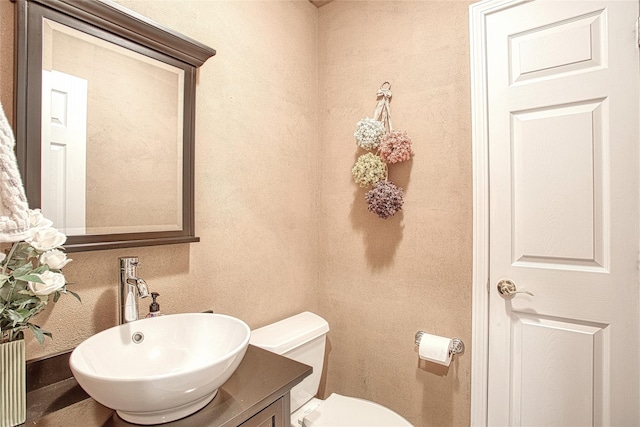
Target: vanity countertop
{"points": [[261, 378]]}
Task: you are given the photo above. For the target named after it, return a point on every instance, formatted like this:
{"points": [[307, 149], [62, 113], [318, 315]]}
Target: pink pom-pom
{"points": [[395, 147]]}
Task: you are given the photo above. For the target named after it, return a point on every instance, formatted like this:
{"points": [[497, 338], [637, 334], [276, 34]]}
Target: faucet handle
{"points": [[143, 290]]}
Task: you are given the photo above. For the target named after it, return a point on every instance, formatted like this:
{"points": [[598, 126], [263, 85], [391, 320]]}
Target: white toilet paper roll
{"points": [[435, 349]]}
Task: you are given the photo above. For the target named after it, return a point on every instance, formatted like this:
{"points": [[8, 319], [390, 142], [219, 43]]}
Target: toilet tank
{"points": [[302, 338]]}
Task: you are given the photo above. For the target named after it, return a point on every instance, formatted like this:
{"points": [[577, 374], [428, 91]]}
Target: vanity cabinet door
{"points": [[271, 416]]}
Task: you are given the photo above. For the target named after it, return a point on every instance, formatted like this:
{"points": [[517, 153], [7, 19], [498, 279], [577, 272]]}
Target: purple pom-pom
{"points": [[385, 199]]}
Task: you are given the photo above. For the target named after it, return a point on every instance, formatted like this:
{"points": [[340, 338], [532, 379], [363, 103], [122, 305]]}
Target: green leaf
{"points": [[22, 270], [4, 292], [17, 316], [28, 299], [39, 333], [29, 278], [75, 295], [18, 286], [21, 251], [23, 314], [39, 270]]}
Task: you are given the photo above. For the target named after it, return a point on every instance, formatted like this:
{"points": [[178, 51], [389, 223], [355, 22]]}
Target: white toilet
{"points": [[302, 338]]}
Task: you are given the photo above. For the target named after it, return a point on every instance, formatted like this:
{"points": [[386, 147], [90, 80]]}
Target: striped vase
{"points": [[13, 400]]}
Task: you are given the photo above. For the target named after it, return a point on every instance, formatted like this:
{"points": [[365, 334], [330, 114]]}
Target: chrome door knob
{"points": [[508, 290]]}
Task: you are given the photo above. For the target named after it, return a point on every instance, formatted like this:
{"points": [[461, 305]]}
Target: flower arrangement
{"points": [[393, 146], [30, 273]]}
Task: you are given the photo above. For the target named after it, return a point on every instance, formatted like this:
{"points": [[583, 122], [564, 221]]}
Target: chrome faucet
{"points": [[131, 288]]}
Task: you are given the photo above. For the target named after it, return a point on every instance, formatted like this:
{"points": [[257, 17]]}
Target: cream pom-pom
{"points": [[368, 170]]}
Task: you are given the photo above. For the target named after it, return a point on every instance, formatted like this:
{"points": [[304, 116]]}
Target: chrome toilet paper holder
{"points": [[456, 347]]}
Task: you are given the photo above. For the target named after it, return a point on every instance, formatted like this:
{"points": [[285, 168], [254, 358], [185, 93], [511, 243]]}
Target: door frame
{"points": [[480, 160]]}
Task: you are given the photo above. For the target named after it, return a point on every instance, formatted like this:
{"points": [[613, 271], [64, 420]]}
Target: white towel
{"points": [[14, 215]]}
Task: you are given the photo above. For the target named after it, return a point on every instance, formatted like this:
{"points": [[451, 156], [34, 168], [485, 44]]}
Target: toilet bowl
{"points": [[302, 338], [344, 411]]}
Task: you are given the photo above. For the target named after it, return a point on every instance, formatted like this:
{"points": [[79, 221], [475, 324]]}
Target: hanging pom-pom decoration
{"points": [[385, 199], [368, 170], [395, 147], [368, 133]]}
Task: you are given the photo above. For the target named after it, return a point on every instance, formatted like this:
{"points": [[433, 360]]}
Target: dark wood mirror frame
{"points": [[114, 23]]}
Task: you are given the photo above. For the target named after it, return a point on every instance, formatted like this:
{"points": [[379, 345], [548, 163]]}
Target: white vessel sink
{"points": [[160, 369]]}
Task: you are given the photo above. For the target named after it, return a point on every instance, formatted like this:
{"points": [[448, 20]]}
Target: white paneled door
{"points": [[64, 151], [562, 84]]}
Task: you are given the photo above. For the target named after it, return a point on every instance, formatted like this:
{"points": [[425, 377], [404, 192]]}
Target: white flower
{"points": [[51, 283], [37, 220], [46, 239], [55, 259]]}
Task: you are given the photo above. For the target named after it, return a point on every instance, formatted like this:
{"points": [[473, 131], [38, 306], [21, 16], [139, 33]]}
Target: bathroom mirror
{"points": [[105, 122]]}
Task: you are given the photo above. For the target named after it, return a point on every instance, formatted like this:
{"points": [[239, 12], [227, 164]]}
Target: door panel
{"points": [[540, 362], [563, 124], [570, 46], [557, 184], [64, 150]]}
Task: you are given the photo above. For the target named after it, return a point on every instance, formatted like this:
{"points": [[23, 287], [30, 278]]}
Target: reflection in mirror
{"points": [[105, 118], [111, 136]]}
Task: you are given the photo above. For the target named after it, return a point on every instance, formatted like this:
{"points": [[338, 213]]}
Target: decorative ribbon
{"points": [[383, 111]]}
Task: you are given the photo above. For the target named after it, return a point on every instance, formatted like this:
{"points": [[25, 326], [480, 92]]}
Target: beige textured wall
{"points": [[283, 227], [6, 58], [383, 280], [256, 172]]}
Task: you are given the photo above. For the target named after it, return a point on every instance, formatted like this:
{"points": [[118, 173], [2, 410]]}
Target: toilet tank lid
{"points": [[286, 334]]}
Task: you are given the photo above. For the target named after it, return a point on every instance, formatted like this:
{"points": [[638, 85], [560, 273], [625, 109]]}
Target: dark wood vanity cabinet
{"points": [[256, 395], [274, 415]]}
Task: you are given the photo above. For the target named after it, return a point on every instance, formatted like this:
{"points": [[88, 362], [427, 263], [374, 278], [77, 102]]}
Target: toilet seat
{"points": [[343, 411]]}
